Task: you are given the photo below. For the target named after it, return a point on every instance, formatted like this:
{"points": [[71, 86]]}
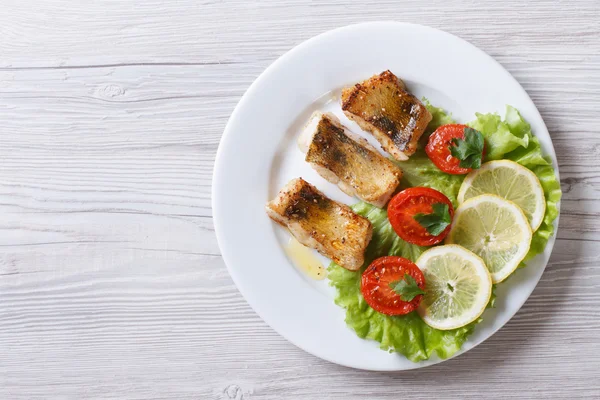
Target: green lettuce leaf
{"points": [[418, 170], [439, 117], [500, 136], [409, 335]]}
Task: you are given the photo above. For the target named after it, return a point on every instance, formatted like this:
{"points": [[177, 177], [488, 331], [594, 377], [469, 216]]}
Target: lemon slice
{"points": [[510, 181], [458, 287], [496, 230]]}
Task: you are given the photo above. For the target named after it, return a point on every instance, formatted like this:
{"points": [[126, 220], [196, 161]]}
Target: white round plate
{"points": [[258, 155]]}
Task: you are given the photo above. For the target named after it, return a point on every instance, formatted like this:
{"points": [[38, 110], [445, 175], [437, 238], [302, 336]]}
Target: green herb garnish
{"points": [[407, 288], [437, 221], [468, 150]]}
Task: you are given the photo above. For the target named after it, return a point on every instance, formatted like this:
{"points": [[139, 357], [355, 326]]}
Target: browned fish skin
{"points": [[382, 106], [318, 222], [349, 160]]}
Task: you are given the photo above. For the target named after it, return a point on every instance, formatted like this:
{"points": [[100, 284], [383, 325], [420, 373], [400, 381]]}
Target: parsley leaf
{"points": [[407, 288], [468, 150], [437, 221]]}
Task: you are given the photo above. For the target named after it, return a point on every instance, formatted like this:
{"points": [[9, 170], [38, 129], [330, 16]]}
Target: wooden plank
{"points": [[111, 283]]}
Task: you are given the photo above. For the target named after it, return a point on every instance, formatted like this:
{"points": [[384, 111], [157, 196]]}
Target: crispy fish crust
{"points": [[331, 228], [381, 105], [348, 160]]}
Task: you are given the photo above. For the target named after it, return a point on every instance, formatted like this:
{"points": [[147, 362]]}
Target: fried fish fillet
{"points": [[382, 106], [331, 228], [348, 160]]}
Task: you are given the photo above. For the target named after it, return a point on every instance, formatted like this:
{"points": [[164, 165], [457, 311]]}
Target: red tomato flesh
{"points": [[417, 200], [438, 150], [376, 280]]}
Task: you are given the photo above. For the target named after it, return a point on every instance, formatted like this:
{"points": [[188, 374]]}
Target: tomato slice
{"points": [[376, 280], [439, 152], [412, 201]]}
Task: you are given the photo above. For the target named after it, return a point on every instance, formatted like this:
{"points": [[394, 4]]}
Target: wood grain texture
{"points": [[111, 281]]}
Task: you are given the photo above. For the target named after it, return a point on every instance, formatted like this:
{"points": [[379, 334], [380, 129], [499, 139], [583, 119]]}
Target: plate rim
{"points": [[548, 149]]}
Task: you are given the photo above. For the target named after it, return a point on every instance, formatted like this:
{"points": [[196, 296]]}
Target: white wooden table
{"points": [[111, 280]]}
